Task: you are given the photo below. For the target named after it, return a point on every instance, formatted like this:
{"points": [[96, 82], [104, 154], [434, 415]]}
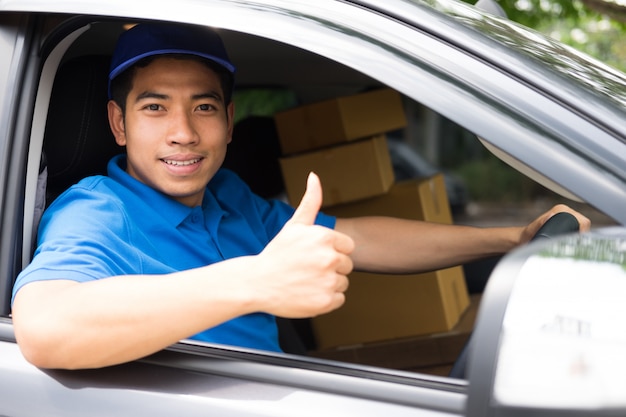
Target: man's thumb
{"points": [[310, 203]]}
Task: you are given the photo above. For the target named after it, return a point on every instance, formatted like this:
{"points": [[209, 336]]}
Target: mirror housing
{"points": [[550, 338]]}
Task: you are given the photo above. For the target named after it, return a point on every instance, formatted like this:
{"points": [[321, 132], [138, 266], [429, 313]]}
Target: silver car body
{"points": [[547, 110]]}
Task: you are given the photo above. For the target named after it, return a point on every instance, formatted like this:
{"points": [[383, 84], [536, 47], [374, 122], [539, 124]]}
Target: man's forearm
{"points": [[392, 245], [64, 324]]}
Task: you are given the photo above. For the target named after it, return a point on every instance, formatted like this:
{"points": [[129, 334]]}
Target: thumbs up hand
{"points": [[311, 202], [305, 265]]}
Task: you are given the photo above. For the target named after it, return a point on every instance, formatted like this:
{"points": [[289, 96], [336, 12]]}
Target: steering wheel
{"points": [[558, 224]]}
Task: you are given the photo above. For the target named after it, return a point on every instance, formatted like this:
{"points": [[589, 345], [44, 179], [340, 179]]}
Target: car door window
{"points": [[431, 143]]}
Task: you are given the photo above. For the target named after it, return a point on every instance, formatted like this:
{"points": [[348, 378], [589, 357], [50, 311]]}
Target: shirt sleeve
{"points": [[79, 239]]}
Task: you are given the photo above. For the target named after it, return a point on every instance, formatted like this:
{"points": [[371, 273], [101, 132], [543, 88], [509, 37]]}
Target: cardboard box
{"points": [[419, 199], [432, 354], [339, 120], [382, 307], [348, 172]]}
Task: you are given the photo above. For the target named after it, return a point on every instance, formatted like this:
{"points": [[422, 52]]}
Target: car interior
{"points": [[77, 142]]}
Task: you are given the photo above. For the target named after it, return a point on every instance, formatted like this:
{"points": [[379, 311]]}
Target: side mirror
{"points": [[550, 336]]}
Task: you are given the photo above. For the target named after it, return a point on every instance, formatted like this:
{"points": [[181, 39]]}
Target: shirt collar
{"points": [[171, 210]]}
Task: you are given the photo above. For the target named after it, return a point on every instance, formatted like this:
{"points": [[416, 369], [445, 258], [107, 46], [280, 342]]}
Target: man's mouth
{"points": [[182, 163]]}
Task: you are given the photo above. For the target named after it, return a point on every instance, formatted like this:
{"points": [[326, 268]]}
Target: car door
{"points": [[424, 53]]}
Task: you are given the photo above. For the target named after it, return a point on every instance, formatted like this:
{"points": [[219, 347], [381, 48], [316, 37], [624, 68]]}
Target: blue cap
{"points": [[149, 39]]}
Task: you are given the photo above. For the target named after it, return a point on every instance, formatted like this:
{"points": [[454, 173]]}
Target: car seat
{"points": [[253, 154], [78, 141]]}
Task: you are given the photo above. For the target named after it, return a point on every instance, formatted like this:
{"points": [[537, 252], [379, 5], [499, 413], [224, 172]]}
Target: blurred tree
{"points": [[596, 27], [615, 9]]}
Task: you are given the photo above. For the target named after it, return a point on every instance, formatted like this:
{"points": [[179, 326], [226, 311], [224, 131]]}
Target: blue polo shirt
{"points": [[115, 225]]}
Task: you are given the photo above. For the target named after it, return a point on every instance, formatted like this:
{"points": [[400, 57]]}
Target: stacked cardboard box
{"points": [[348, 173], [433, 353], [343, 141], [339, 121], [381, 307]]}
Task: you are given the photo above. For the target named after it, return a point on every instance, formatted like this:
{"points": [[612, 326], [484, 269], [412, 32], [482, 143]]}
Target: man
{"points": [[168, 246]]}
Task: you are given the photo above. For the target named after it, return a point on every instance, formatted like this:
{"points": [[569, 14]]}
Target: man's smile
{"points": [[181, 163]]}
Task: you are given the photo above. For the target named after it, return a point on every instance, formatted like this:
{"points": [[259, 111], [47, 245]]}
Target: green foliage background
{"points": [[574, 24]]}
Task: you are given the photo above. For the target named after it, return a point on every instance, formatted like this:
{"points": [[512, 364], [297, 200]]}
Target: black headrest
{"points": [[78, 141], [254, 153]]}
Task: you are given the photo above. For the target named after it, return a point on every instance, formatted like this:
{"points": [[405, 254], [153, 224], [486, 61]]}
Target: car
{"points": [[548, 338]]}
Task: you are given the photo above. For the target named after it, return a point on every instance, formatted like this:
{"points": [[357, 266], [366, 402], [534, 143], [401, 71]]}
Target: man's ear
{"points": [[116, 122], [230, 109]]}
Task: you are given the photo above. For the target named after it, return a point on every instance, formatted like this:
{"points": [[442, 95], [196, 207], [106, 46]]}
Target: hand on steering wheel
{"points": [[559, 224]]}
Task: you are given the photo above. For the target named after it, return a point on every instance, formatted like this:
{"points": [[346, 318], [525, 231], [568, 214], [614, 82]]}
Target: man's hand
{"points": [[307, 264], [531, 230]]}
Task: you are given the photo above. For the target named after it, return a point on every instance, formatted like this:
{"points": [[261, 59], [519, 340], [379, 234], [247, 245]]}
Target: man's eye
{"points": [[205, 107], [153, 107]]}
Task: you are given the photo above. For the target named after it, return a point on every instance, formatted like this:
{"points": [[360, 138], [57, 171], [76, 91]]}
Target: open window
{"points": [[432, 154]]}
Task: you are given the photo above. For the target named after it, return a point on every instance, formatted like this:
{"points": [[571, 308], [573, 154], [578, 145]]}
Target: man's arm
{"points": [[393, 245], [301, 273]]}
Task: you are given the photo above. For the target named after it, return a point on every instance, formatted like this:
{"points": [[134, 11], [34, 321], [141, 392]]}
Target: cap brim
{"points": [[128, 63]]}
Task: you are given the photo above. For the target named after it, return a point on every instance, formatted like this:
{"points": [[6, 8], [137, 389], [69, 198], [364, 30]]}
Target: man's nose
{"points": [[181, 129]]}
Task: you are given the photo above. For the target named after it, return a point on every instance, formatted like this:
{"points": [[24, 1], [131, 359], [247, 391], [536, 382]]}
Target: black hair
{"points": [[123, 83]]}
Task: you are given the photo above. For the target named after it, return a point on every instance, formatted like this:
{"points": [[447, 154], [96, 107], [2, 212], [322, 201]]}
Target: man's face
{"points": [[176, 128]]}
